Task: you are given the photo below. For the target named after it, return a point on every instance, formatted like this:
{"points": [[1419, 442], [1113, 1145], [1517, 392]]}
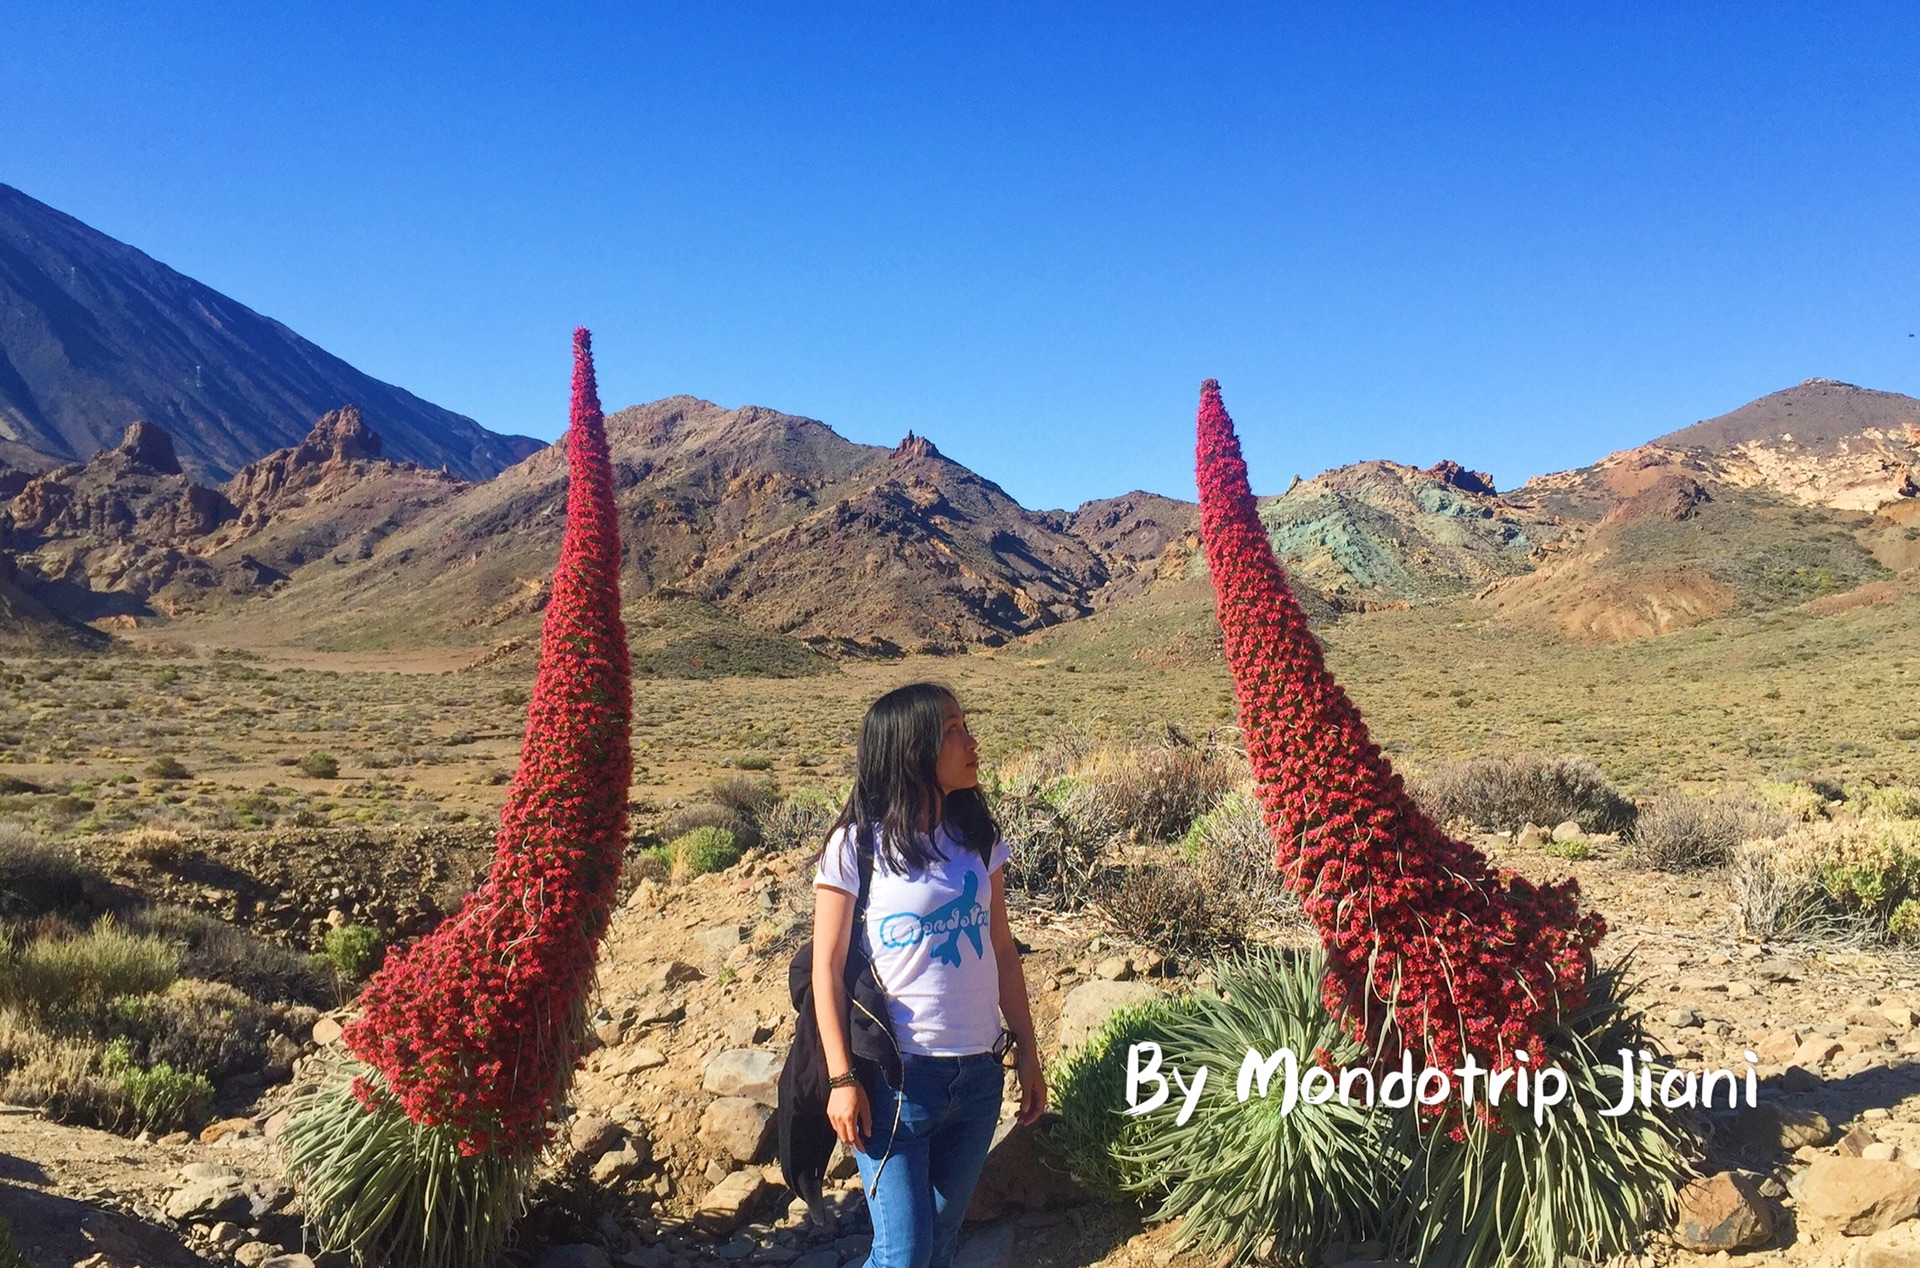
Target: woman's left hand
{"points": [[1033, 1087]]}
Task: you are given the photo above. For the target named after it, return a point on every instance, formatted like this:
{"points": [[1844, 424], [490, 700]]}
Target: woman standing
{"points": [[936, 930]]}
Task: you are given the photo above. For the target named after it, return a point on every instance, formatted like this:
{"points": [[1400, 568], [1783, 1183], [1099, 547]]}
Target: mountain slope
{"points": [[95, 335]]}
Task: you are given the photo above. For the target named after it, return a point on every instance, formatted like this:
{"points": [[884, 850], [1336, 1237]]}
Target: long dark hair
{"points": [[895, 791]]}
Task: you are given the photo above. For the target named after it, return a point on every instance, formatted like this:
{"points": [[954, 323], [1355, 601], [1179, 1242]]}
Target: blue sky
{"points": [[1516, 236]]}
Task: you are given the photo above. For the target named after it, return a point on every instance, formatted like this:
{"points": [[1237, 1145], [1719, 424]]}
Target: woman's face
{"points": [[958, 765]]}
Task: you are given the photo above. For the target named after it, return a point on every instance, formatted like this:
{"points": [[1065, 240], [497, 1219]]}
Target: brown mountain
{"points": [[771, 519], [95, 335]]}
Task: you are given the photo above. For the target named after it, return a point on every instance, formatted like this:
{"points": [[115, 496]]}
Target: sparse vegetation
{"points": [[1679, 832], [320, 765], [355, 951], [1505, 792]]}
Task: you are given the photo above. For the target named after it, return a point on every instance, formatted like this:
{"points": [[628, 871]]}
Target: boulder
{"points": [[616, 1166], [1089, 1004], [1768, 1127], [1858, 1196], [1722, 1212], [736, 1126], [726, 1205], [1022, 1174], [749, 1072], [1568, 830], [209, 1201], [590, 1135]]}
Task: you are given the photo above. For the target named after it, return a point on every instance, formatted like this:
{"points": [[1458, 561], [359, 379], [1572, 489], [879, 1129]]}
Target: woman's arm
{"points": [[1015, 1006], [847, 1107]]}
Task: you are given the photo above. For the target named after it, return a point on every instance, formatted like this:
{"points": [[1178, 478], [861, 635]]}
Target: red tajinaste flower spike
{"points": [[1429, 945], [478, 1026]]}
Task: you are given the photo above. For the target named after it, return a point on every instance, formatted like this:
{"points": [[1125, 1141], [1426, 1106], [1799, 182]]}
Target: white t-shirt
{"points": [[931, 942]]}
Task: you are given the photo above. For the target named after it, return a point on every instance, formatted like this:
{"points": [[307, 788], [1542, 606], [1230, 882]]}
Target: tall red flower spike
{"points": [[477, 1027], [1429, 945]]}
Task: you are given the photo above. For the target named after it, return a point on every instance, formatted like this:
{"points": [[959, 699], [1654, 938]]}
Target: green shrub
{"points": [[753, 761], [1573, 850], [355, 951], [319, 765], [1894, 802], [701, 851], [1087, 1087], [160, 1099], [167, 767], [196, 1027], [1503, 793], [1904, 924], [71, 983]]}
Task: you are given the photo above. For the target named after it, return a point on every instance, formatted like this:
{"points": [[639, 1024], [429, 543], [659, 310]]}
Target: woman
{"points": [[936, 929]]}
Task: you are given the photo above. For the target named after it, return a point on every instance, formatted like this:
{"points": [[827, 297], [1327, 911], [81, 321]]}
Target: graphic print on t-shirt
{"points": [[963, 915]]}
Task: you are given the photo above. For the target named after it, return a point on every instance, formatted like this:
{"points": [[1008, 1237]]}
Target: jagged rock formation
{"points": [[95, 334]]}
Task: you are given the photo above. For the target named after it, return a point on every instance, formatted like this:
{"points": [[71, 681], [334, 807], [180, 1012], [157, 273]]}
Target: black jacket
{"points": [[806, 1137]]}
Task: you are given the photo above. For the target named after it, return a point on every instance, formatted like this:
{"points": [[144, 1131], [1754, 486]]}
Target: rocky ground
{"points": [[668, 1163]]}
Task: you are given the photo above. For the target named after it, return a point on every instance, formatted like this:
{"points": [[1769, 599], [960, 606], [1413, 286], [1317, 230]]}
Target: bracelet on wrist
{"points": [[848, 1079]]}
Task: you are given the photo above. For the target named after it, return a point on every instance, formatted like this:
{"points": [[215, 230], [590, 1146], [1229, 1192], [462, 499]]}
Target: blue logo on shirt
{"points": [[963, 915]]}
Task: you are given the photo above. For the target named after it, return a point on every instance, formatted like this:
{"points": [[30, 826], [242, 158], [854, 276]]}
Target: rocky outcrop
{"points": [[132, 493], [338, 441]]}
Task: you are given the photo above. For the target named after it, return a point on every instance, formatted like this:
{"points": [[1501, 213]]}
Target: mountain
{"points": [[767, 519], [95, 335], [1803, 496]]}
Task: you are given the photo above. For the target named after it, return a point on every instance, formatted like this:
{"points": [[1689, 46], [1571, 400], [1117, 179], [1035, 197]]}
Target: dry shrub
{"points": [[800, 821], [1175, 910], [1058, 756], [1679, 832], [1856, 879], [736, 804], [199, 1027], [160, 847], [71, 983], [215, 951], [1147, 792], [38, 879], [1505, 792], [1231, 847], [1056, 858]]}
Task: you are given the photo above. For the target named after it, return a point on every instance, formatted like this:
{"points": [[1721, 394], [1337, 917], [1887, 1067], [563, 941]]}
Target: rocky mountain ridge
{"points": [[95, 334]]}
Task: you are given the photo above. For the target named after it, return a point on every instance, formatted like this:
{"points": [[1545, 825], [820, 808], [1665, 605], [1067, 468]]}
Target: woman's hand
{"points": [[1033, 1087], [851, 1116]]}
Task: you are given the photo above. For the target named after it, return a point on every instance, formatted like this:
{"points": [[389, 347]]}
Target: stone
{"points": [[227, 1235], [749, 1072], [276, 1124], [1881, 1151], [1088, 1005], [1778, 1047], [217, 1132], [990, 1246], [1684, 1018], [327, 1032], [672, 973], [819, 1259], [590, 1135], [1815, 1052], [253, 1254], [718, 941], [1898, 1016], [574, 1255], [1567, 830], [208, 1201], [736, 1126], [1768, 1127], [266, 1197], [288, 1261], [1884, 1257], [1857, 1196], [622, 1062], [616, 1166], [1531, 834], [209, 1171], [1115, 968], [1741, 990], [1794, 1080], [1722, 1212], [727, 1203], [1022, 1174], [1854, 1143], [610, 1032]]}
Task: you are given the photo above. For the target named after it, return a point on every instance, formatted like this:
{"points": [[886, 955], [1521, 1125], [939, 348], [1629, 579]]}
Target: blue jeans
{"points": [[948, 1108]]}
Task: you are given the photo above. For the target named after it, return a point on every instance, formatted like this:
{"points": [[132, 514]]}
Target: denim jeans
{"points": [[948, 1108]]}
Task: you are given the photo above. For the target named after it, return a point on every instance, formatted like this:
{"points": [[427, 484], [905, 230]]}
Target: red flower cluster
{"points": [[478, 1026], [1429, 946]]}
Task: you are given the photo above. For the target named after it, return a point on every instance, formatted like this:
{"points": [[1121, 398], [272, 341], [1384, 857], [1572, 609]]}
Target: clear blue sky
{"points": [[1519, 236]]}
